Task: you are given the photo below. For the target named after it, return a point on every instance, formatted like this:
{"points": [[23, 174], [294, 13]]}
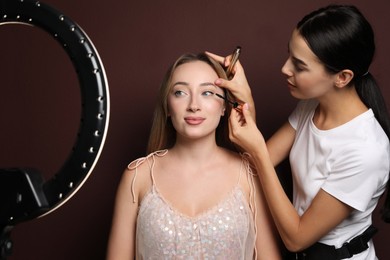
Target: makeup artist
{"points": [[337, 138], [193, 196]]}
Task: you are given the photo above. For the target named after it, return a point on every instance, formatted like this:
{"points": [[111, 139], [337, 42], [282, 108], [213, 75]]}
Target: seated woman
{"points": [[193, 196]]}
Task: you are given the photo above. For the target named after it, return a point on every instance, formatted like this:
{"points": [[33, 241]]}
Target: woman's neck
{"points": [[338, 108], [199, 150]]}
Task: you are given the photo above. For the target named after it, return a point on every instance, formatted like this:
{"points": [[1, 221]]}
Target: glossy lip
{"points": [[194, 120], [290, 85]]}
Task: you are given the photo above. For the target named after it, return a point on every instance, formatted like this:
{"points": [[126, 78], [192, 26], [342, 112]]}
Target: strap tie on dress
{"points": [[134, 166]]}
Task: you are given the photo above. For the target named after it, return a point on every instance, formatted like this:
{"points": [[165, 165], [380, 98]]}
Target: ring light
{"points": [[50, 195]]}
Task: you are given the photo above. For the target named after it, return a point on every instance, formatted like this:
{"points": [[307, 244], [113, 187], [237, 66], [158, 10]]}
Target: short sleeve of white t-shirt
{"points": [[355, 155]]}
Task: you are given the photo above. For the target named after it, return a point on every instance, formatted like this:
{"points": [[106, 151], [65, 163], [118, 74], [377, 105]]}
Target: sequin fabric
{"points": [[225, 231]]}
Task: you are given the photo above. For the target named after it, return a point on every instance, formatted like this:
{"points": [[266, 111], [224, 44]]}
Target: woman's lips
{"points": [[290, 85], [194, 120]]}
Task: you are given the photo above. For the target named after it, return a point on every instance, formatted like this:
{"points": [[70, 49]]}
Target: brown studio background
{"points": [[137, 41]]}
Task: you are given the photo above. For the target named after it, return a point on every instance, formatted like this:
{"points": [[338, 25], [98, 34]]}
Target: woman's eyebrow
{"points": [[204, 84], [180, 83], [207, 84], [298, 61]]}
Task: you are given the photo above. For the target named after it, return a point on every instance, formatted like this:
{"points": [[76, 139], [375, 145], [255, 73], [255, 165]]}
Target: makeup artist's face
{"points": [[306, 75], [194, 108]]}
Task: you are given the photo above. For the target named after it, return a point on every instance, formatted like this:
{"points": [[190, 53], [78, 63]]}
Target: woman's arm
{"points": [[280, 143], [325, 212], [297, 232], [121, 244]]}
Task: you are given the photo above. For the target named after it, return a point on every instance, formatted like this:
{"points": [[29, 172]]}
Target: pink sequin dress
{"points": [[226, 231]]}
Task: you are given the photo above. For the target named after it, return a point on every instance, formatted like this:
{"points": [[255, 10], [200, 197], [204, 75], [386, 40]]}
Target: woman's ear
{"points": [[343, 78]]}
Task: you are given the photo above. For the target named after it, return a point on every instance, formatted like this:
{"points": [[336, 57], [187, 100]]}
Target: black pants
{"points": [[320, 251]]}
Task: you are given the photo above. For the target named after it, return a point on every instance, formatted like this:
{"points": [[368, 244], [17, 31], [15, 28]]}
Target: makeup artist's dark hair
{"points": [[163, 134], [342, 38]]}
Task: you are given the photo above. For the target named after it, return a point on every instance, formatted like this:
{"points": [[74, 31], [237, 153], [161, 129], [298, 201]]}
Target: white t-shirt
{"points": [[351, 162]]}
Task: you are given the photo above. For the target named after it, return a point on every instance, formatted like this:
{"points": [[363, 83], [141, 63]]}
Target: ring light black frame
{"points": [[94, 109]]}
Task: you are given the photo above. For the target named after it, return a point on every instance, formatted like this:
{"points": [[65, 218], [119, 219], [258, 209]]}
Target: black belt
{"points": [[320, 251]]}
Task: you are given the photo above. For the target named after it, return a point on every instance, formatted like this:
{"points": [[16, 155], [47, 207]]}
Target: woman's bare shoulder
{"points": [[231, 156], [136, 178]]}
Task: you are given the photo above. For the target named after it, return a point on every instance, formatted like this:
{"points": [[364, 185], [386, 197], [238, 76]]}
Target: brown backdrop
{"points": [[137, 41]]}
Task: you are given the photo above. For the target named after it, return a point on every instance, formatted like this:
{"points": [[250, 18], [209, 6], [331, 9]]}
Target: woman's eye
{"points": [[298, 68], [208, 93], [179, 93]]}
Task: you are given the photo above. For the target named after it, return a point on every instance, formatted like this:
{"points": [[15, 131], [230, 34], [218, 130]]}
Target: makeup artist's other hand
{"points": [[243, 130], [238, 85]]}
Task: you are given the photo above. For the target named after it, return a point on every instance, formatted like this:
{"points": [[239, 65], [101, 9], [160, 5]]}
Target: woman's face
{"points": [[194, 108], [306, 75]]}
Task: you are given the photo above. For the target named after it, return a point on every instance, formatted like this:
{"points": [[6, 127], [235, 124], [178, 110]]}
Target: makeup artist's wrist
{"points": [[252, 108]]}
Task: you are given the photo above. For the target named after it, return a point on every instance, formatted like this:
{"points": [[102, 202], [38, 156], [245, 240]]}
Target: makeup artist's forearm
{"points": [[283, 212], [252, 108], [280, 143]]}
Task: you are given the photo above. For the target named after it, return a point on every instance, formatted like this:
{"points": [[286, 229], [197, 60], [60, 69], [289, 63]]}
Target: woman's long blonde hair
{"points": [[163, 134]]}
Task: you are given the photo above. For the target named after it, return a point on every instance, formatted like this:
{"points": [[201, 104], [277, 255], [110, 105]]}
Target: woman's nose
{"points": [[193, 104], [286, 69]]}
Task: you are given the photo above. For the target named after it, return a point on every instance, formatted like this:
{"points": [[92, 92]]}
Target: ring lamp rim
{"points": [[94, 94]]}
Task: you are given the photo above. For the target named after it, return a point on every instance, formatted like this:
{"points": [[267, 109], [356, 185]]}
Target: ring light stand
{"points": [[23, 193]]}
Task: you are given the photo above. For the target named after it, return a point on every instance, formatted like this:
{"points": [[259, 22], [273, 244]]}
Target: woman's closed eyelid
{"points": [[298, 63], [298, 68]]}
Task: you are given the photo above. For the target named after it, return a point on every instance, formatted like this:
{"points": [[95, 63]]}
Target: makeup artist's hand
{"points": [[243, 130], [238, 85]]}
